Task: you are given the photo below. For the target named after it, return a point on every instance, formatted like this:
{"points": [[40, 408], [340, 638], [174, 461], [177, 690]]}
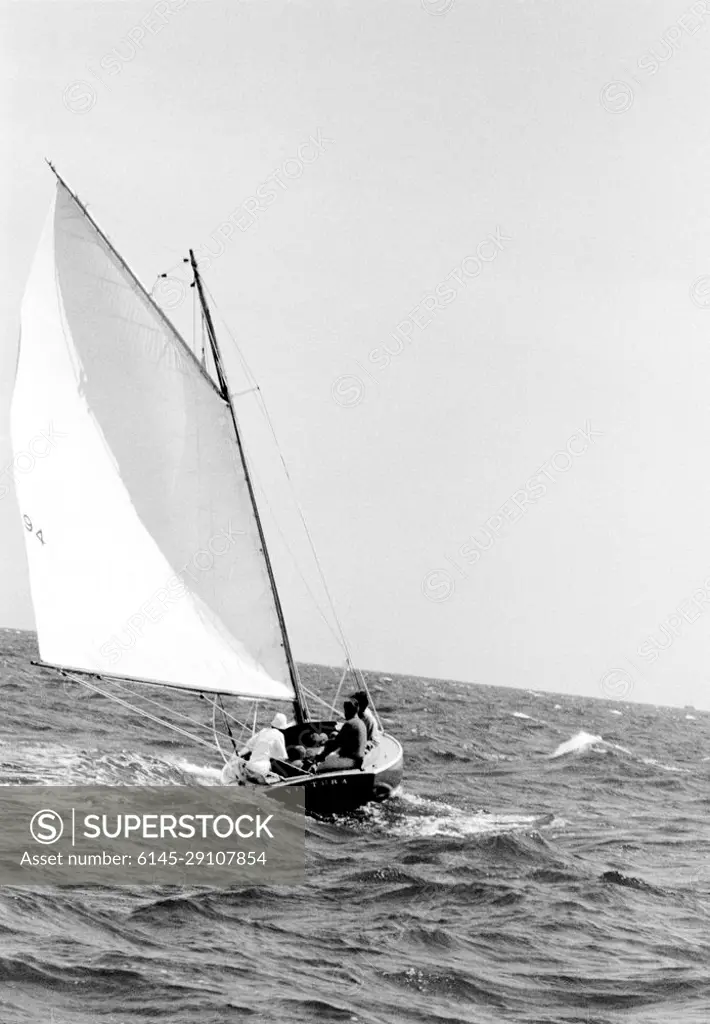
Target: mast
{"points": [[300, 707]]}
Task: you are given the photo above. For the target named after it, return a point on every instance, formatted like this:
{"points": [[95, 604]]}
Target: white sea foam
{"points": [[206, 774], [578, 743], [665, 767], [586, 741], [439, 819]]}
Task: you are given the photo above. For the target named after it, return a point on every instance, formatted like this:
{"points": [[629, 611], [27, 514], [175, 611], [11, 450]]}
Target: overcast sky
{"points": [[512, 198]]}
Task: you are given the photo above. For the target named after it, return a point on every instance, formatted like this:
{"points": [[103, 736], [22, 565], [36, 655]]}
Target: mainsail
{"points": [[144, 552]]}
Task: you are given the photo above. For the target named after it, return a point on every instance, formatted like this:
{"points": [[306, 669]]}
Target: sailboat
{"points": [[147, 556]]}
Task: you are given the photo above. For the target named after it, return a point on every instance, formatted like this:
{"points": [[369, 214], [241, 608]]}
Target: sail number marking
{"points": [[30, 529]]}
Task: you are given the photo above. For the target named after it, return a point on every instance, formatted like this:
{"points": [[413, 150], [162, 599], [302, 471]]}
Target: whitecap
{"points": [[207, 774], [581, 741], [440, 819]]}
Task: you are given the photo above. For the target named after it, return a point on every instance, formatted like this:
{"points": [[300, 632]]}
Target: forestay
{"points": [[143, 548]]}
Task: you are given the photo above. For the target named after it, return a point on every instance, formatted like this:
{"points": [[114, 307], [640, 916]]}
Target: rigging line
{"points": [[240, 394], [139, 711], [242, 359], [357, 673], [365, 687], [293, 558], [296, 565], [341, 637], [215, 708], [174, 267], [242, 725], [195, 329], [321, 701], [264, 497], [311, 543], [163, 707], [229, 728], [348, 668], [215, 736]]}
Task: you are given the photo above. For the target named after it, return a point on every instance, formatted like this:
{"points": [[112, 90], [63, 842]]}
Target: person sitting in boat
{"points": [[368, 716], [347, 748], [264, 745]]}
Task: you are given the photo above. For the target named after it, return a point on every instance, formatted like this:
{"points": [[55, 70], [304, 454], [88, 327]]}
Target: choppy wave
{"points": [[543, 861], [578, 744]]}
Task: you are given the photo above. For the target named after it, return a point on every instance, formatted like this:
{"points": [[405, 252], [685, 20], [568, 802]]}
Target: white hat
{"points": [[279, 721]]}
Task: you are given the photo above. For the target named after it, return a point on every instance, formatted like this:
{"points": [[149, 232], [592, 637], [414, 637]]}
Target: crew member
{"points": [[264, 745], [347, 748], [368, 716]]}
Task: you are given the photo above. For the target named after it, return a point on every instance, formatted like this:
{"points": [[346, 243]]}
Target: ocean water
{"points": [[444, 905]]}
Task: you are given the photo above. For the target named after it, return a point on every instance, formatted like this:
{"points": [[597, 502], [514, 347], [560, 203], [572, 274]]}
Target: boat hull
{"points": [[339, 792]]}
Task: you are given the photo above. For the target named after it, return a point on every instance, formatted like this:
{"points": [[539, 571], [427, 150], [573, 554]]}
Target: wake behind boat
{"points": [[147, 556]]}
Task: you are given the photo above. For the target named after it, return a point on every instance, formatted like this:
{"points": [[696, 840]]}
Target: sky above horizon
{"points": [[512, 200]]}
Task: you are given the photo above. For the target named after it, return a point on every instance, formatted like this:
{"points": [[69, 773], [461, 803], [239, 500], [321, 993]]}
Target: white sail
{"points": [[143, 549]]}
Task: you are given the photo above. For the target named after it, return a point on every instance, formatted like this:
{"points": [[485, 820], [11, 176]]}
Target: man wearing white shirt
{"points": [[264, 745]]}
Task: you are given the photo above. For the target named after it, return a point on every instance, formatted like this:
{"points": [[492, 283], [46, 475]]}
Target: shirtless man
{"points": [[367, 715], [347, 748]]}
